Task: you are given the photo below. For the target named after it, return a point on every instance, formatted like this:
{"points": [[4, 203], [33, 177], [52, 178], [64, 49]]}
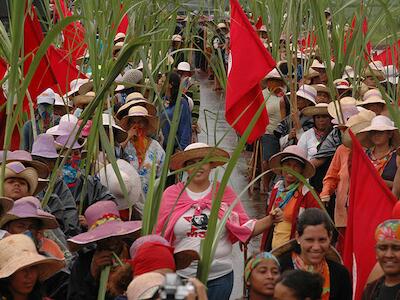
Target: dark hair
{"points": [[303, 284], [313, 217], [5, 293], [174, 80]]}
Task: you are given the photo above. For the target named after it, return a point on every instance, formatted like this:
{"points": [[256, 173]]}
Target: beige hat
{"points": [[372, 96], [347, 106], [307, 92], [322, 88], [317, 65], [138, 111], [379, 123], [311, 74], [83, 100], [357, 123], [145, 286], [18, 251], [124, 109], [184, 67], [342, 84], [274, 74], [375, 69], [176, 38], [120, 135], [293, 152], [216, 155], [348, 72], [18, 170], [318, 109], [221, 25], [119, 36]]}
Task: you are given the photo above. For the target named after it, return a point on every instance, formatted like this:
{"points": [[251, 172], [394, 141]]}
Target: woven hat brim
{"points": [[275, 164], [365, 141], [106, 230], [371, 101], [217, 157], [46, 222], [153, 122], [41, 168], [314, 111], [82, 100], [289, 246], [29, 175], [124, 109], [6, 204], [346, 139], [47, 266]]}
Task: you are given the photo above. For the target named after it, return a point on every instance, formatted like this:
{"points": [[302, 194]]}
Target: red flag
{"points": [[349, 36], [123, 26], [249, 63], [33, 37], [371, 202], [390, 56], [74, 35], [259, 23]]}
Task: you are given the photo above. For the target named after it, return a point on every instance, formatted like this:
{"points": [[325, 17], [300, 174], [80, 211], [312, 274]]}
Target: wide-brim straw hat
{"points": [[356, 123], [18, 170], [124, 109], [379, 123], [216, 155], [145, 286], [120, 134], [311, 74], [291, 245], [372, 96], [26, 159], [30, 207], [347, 106], [296, 153], [321, 88], [104, 222], [138, 111], [318, 109], [18, 251], [83, 100], [307, 92]]}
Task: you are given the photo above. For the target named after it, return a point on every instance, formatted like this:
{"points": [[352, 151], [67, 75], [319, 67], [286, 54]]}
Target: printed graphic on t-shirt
{"points": [[199, 226]]}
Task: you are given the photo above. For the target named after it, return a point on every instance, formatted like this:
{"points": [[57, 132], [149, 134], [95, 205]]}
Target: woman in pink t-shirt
{"points": [[185, 211]]}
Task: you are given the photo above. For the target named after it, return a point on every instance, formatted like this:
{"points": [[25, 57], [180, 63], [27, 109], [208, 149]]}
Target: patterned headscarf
{"points": [[255, 260], [388, 230]]}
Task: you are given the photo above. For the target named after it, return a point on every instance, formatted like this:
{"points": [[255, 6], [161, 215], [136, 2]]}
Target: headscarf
{"points": [[388, 230], [256, 260]]}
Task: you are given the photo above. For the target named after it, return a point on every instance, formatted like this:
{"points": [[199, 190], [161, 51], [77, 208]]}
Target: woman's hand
{"points": [[99, 261], [200, 290]]}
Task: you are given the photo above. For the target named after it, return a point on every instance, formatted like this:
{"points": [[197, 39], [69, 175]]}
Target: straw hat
{"points": [[176, 38], [26, 159], [274, 74], [392, 74], [342, 84], [68, 142], [119, 36], [60, 101], [322, 88], [379, 123], [44, 146], [317, 65], [30, 207], [104, 221], [318, 109], [184, 67], [46, 97], [293, 152], [145, 286], [131, 180], [348, 108], [372, 96], [375, 69], [74, 86], [18, 170], [120, 135], [83, 100], [18, 251], [311, 74], [307, 92], [221, 26], [348, 72], [198, 151], [357, 123], [138, 111], [129, 79], [291, 245], [124, 109]]}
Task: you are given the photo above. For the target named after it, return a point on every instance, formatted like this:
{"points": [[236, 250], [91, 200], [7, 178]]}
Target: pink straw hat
{"points": [[104, 221]]}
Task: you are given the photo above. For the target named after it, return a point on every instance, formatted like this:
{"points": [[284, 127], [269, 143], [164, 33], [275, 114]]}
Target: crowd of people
{"points": [[59, 244]]}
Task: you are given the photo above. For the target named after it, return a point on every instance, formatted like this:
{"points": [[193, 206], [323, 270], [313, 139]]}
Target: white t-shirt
{"points": [[190, 229], [309, 143]]}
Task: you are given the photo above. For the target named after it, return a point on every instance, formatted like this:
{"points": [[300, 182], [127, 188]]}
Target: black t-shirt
{"points": [[386, 292]]}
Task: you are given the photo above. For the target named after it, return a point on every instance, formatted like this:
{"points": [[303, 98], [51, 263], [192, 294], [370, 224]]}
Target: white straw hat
{"points": [[18, 251], [198, 151], [145, 286], [372, 96], [274, 74], [357, 123], [59, 101], [74, 86], [342, 84], [348, 72], [47, 97], [379, 123], [347, 106], [176, 38], [221, 25], [307, 92], [184, 66]]}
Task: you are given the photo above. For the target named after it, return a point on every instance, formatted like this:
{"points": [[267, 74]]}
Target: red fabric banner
{"points": [[123, 26], [371, 202], [390, 56], [249, 64]]}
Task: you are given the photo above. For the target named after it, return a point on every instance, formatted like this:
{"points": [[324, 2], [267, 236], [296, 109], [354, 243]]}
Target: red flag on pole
{"points": [[390, 56], [371, 202], [249, 63], [123, 26], [349, 36]]}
